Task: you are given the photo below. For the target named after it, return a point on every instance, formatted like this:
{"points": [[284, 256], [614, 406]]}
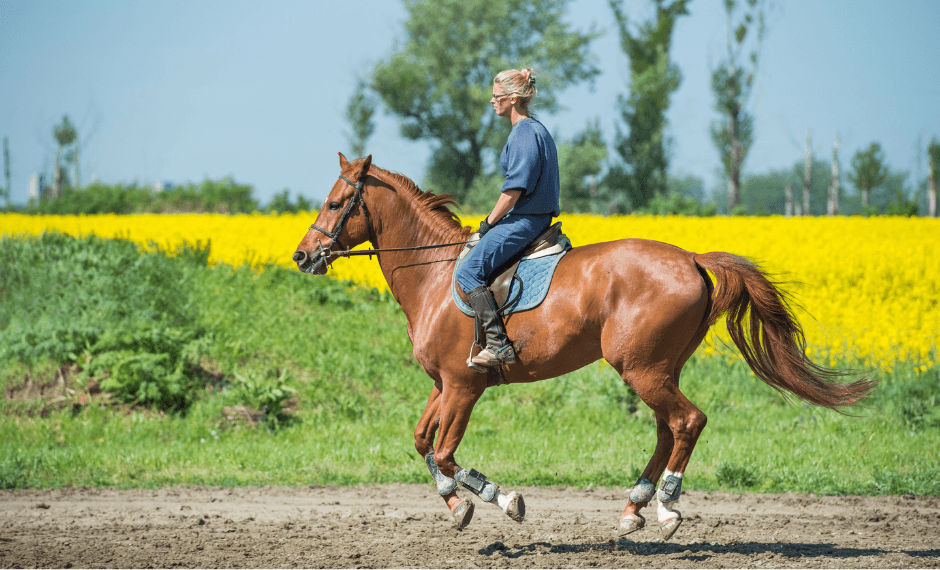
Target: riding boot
{"points": [[498, 350]]}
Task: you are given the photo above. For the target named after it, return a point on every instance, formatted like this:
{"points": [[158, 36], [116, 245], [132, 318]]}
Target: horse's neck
{"points": [[415, 277]]}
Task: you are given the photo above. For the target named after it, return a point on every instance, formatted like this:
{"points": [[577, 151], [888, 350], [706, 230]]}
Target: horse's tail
{"points": [[763, 327]]}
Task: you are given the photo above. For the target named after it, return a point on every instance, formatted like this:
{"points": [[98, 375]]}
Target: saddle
{"points": [[550, 242]]}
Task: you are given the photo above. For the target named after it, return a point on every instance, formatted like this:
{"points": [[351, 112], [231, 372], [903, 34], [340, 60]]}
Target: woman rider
{"points": [[528, 202]]}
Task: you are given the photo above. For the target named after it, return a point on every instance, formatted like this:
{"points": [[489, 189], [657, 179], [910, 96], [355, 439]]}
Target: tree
{"points": [[766, 192], [359, 112], [579, 161], [897, 197], [868, 171], [687, 186], [807, 174], [6, 170], [933, 170], [653, 79], [280, 203], [732, 81], [439, 83], [65, 134], [832, 204]]}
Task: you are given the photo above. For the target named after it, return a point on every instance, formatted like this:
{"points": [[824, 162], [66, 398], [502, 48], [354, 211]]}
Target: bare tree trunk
{"points": [[78, 171], [788, 194], [865, 198], [734, 180], [931, 189], [57, 179], [833, 204], [6, 171], [808, 172]]}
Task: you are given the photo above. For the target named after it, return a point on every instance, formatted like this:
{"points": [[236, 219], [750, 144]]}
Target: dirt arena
{"points": [[409, 526]]}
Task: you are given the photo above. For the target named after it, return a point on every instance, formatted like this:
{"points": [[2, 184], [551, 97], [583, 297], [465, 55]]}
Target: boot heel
{"points": [[506, 355]]}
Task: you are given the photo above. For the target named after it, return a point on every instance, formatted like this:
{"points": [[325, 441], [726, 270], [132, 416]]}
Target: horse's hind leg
{"points": [[645, 489], [676, 415]]}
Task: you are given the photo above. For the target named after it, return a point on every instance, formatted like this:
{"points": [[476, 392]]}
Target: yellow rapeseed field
{"points": [[871, 285]]}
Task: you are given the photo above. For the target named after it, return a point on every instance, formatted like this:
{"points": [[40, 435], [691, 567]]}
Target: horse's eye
{"points": [[335, 205]]}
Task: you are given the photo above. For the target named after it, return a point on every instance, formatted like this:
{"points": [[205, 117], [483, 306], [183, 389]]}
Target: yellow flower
{"points": [[870, 287]]}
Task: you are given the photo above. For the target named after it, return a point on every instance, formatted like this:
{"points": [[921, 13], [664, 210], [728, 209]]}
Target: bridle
{"points": [[357, 200], [334, 235]]}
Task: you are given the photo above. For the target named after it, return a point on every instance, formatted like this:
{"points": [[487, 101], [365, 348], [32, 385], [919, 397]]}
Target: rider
{"points": [[528, 202]]}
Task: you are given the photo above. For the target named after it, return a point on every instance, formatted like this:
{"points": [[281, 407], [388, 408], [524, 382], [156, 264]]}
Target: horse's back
{"points": [[638, 268]]}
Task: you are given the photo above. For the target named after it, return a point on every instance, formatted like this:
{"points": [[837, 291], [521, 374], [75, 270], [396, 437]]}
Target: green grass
{"points": [[250, 338]]}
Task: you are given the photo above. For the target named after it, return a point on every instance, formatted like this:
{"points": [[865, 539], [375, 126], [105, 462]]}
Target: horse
{"points": [[643, 306]]}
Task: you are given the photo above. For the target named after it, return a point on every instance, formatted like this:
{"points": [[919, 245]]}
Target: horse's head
{"points": [[343, 221]]}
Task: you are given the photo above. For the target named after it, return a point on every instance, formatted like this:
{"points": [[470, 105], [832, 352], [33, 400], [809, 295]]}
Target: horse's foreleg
{"points": [[456, 405], [512, 503], [428, 424], [424, 444], [645, 488]]}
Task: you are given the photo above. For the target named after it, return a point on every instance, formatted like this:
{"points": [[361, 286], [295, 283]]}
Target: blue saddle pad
{"points": [[536, 275]]}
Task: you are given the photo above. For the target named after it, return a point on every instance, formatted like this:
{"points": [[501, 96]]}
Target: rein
{"points": [[334, 235], [370, 252]]}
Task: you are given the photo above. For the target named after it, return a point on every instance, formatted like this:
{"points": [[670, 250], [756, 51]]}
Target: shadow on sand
{"points": [[700, 551]]}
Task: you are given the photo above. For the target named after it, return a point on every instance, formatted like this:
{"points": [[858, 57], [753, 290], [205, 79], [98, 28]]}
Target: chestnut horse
{"points": [[643, 306]]}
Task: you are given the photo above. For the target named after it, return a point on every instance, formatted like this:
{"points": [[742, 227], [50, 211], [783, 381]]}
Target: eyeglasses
{"points": [[498, 97]]}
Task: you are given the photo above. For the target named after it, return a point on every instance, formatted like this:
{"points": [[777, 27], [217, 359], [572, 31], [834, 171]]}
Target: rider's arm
{"points": [[507, 200]]}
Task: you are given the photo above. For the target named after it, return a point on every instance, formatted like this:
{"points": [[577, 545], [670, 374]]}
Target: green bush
{"points": [[734, 475], [224, 196], [265, 393], [915, 399], [14, 472], [676, 205], [127, 319]]}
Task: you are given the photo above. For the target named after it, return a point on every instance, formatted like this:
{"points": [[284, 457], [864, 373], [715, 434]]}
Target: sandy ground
{"points": [[409, 526]]}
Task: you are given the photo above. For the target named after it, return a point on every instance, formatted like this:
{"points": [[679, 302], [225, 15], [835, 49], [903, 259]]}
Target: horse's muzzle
{"points": [[314, 265]]}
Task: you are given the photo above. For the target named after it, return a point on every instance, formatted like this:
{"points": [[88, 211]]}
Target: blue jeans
{"points": [[500, 245]]}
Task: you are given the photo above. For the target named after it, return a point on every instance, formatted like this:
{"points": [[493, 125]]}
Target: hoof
{"points": [[630, 524], [669, 527], [463, 513], [516, 507]]}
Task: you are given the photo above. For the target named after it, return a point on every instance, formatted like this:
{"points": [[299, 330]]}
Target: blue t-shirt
{"points": [[530, 163]]}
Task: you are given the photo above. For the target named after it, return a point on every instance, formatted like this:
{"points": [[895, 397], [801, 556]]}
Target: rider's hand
{"points": [[484, 227]]}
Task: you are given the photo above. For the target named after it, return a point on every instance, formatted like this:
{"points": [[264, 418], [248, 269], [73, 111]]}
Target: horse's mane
{"points": [[436, 206]]}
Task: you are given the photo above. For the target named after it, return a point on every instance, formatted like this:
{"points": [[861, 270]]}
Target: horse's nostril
{"points": [[299, 256]]}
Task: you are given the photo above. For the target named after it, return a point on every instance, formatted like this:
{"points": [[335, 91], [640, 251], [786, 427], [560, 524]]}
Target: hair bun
{"points": [[528, 74]]}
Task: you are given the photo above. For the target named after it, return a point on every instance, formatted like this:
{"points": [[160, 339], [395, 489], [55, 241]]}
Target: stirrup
{"points": [[500, 357], [473, 365]]}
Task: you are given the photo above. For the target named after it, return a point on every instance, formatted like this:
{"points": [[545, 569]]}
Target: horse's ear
{"points": [[364, 168], [342, 160]]}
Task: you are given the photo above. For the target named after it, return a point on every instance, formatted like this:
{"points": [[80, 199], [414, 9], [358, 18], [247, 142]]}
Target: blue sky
{"points": [[184, 91]]}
